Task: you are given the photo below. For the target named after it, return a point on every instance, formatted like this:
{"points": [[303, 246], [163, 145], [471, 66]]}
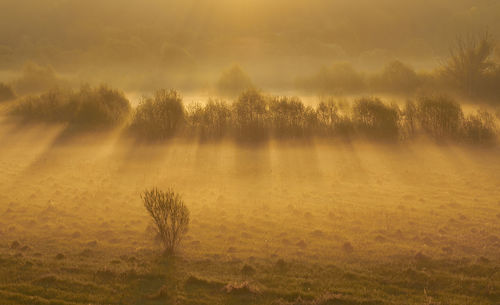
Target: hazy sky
{"points": [[196, 36]]}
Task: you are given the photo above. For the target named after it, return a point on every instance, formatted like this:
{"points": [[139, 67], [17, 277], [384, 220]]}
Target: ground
{"points": [[340, 222]]}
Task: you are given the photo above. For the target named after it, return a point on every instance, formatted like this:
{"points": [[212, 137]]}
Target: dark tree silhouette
{"points": [[469, 61]]}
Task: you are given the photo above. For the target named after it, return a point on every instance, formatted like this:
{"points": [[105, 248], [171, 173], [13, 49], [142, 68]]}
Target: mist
{"points": [[143, 45], [249, 152]]}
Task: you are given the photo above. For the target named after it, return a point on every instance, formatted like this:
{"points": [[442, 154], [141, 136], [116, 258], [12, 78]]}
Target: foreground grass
{"points": [[351, 224]]}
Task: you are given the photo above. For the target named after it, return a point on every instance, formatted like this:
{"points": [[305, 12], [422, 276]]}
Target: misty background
{"points": [[140, 46]]}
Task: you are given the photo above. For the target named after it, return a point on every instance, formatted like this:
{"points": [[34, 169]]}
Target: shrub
{"points": [[100, 106], [374, 118], [479, 127], [408, 120], [330, 121], [6, 92], [289, 117], [439, 117], [159, 117], [89, 107], [250, 111], [211, 120], [51, 106], [170, 216]]}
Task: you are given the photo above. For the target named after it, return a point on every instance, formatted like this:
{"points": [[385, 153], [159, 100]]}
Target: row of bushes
{"points": [[255, 116]]}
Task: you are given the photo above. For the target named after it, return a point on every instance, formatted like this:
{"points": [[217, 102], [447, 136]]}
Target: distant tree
{"points": [[339, 78], [396, 78], [234, 81], [470, 59], [170, 216]]}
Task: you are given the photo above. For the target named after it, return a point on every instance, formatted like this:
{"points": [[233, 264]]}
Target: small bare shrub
{"points": [[170, 216]]}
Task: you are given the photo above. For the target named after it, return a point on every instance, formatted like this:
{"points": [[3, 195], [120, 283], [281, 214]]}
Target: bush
{"points": [[170, 216], [51, 106], [374, 118], [6, 92], [212, 120], [408, 120], [89, 107], [289, 117], [159, 117], [100, 106], [440, 117], [479, 127], [250, 115]]}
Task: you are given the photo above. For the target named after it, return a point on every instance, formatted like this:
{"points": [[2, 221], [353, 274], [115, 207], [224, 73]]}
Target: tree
{"points": [[170, 216], [234, 81], [469, 61]]}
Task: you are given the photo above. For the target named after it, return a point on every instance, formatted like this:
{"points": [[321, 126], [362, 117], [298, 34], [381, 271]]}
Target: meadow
{"points": [[284, 152], [281, 221]]}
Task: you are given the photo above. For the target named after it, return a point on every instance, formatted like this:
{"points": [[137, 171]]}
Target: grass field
{"points": [[278, 223]]}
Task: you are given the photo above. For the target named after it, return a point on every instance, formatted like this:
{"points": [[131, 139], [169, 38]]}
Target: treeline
{"points": [[471, 70], [254, 116]]}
